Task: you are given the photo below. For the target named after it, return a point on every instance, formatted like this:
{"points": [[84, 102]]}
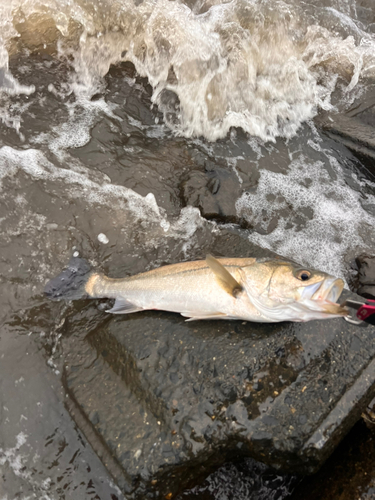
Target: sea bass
{"points": [[262, 290]]}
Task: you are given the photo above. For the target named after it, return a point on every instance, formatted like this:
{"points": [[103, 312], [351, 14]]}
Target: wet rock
{"points": [[113, 395], [355, 127], [366, 276], [169, 104], [214, 193], [348, 474], [165, 402], [216, 189], [250, 480]]}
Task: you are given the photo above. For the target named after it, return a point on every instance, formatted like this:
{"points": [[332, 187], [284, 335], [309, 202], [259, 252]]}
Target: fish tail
{"points": [[71, 283]]}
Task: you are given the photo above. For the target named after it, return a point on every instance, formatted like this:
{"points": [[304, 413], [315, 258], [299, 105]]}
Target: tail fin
{"points": [[70, 283]]}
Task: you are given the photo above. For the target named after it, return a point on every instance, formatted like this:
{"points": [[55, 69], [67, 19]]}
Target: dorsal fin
{"points": [[224, 278]]}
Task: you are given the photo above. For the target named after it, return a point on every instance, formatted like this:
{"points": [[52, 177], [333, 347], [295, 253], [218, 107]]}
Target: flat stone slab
{"points": [[164, 402]]}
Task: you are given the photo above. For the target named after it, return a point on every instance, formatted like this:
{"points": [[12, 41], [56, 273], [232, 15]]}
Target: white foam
{"points": [[75, 132], [10, 113], [9, 85], [131, 208], [34, 163], [17, 461], [103, 238], [339, 228], [261, 65], [14, 458], [21, 439]]}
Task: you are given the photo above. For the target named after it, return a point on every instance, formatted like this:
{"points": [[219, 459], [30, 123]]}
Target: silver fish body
{"points": [[262, 290], [189, 288]]}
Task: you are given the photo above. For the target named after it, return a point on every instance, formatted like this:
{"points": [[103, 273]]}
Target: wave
{"points": [[264, 66]]}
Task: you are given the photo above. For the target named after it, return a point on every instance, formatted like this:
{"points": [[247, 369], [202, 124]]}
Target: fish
{"points": [[268, 290]]}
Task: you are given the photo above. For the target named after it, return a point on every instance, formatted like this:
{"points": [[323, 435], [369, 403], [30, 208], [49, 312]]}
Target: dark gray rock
{"points": [[243, 479], [347, 474], [164, 402], [216, 190], [214, 193], [366, 276], [355, 127]]}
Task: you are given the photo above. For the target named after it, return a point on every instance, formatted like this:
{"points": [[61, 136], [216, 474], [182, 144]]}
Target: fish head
{"points": [[292, 281], [293, 292]]}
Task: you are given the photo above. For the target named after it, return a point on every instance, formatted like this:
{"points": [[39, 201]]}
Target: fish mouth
{"points": [[325, 295]]}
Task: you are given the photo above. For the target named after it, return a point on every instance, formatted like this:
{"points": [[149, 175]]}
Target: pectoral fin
{"points": [[122, 306], [198, 316], [224, 278]]}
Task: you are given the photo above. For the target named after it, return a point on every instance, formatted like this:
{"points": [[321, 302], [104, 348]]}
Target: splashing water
{"points": [[265, 66], [311, 208], [93, 153]]}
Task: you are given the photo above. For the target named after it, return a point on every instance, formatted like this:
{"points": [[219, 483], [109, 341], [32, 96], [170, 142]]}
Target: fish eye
{"points": [[303, 275]]}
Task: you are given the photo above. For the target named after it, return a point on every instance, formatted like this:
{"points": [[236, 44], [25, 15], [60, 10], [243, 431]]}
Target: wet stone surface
{"points": [[216, 189], [162, 402], [172, 401], [246, 479], [366, 276], [355, 127], [349, 472]]}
